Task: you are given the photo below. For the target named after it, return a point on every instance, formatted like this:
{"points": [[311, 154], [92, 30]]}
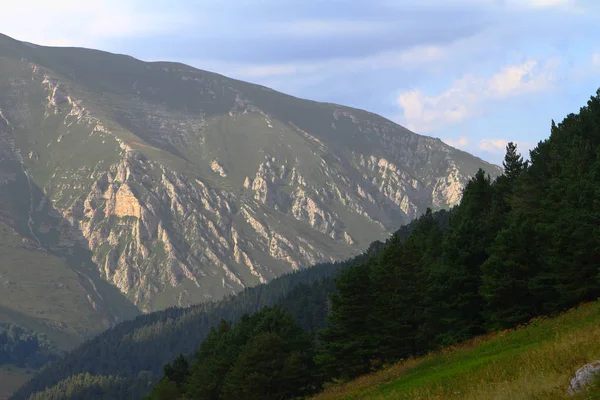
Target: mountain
{"points": [[518, 247], [178, 186], [46, 289]]}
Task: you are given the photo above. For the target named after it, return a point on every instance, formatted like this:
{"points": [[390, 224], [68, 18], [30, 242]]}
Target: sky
{"points": [[474, 73]]}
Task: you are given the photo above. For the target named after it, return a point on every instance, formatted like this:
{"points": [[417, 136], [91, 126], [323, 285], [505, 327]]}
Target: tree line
{"points": [[24, 348]]}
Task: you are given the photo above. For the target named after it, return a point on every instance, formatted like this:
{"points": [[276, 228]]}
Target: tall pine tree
{"points": [[454, 289], [348, 342]]}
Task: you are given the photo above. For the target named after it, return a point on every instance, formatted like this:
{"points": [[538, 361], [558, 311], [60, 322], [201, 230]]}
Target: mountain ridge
{"points": [[186, 185]]}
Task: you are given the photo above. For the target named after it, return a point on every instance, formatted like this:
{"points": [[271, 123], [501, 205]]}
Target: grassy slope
{"points": [[10, 380], [41, 293], [533, 362]]}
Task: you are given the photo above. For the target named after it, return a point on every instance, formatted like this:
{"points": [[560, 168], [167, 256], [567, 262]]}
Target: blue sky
{"points": [[475, 73]]}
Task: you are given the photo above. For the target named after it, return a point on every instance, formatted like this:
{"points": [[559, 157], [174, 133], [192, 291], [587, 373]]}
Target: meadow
{"points": [[536, 361]]}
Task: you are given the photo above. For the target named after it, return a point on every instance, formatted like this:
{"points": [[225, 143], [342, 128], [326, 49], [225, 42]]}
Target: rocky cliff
{"points": [[186, 186]]}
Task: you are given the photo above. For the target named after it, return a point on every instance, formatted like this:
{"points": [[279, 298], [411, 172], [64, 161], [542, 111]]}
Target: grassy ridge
{"points": [[532, 362]]}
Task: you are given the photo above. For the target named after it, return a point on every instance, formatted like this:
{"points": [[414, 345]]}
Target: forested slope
{"points": [[520, 246], [536, 361]]}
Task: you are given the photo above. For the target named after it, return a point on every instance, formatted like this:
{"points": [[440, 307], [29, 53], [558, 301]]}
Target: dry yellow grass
{"points": [[533, 362]]}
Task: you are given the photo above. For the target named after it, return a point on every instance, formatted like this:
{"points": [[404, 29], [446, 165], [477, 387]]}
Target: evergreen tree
{"points": [[268, 368], [165, 389], [265, 356], [507, 275], [348, 341], [215, 357], [399, 283], [454, 289], [177, 372], [513, 263], [513, 162]]}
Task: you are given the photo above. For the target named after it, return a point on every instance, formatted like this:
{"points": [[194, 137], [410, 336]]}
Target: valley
{"points": [[171, 233], [129, 187]]}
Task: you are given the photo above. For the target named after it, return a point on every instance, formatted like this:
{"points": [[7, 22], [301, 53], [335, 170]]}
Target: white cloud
{"points": [[467, 96], [493, 145], [520, 79], [461, 142], [596, 59], [72, 23], [545, 3], [407, 59], [498, 146]]}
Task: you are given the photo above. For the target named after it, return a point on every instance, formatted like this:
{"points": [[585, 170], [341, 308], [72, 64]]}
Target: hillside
{"points": [[122, 350], [536, 361], [42, 293], [178, 186], [180, 330], [57, 293], [11, 381], [520, 246]]}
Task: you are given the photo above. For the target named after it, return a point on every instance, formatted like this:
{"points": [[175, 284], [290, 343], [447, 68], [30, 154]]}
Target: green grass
{"points": [[45, 293], [41, 293], [533, 362]]}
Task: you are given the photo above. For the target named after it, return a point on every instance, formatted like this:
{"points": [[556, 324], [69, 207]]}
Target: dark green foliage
{"points": [[348, 341], [308, 303], [178, 371], [399, 280], [24, 348], [265, 356], [524, 245], [458, 277], [379, 312], [508, 275], [513, 163], [165, 389]]}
